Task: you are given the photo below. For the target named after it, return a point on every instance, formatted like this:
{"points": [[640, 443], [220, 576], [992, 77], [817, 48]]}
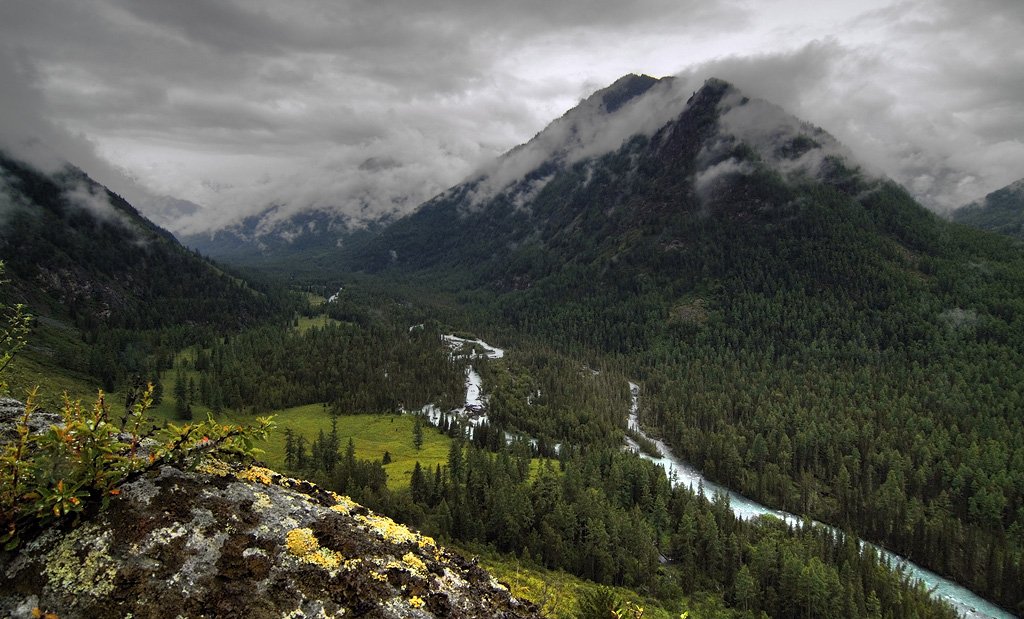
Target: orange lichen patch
{"points": [[257, 474]]}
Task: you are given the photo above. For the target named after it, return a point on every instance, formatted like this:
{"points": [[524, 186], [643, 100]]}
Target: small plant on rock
{"points": [[80, 462]]}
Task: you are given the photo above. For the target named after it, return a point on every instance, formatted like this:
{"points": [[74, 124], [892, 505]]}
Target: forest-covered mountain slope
{"points": [[804, 332], [1001, 211], [76, 250], [305, 244], [93, 270]]}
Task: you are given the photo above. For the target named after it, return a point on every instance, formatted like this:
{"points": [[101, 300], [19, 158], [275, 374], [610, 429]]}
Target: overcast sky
{"points": [[371, 106]]}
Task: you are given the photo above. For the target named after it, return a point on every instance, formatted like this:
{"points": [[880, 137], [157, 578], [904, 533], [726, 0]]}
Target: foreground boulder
{"points": [[242, 543]]}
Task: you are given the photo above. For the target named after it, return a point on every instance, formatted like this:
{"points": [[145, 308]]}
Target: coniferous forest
{"points": [[821, 344]]}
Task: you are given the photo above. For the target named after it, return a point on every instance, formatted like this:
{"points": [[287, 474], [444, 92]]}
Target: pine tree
{"points": [[417, 485], [417, 433], [180, 394], [289, 449]]}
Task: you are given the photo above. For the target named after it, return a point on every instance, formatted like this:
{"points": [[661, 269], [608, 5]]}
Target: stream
{"points": [[965, 601]]}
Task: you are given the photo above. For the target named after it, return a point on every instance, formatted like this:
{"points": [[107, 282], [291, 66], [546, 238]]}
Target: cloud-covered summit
{"points": [[366, 108]]}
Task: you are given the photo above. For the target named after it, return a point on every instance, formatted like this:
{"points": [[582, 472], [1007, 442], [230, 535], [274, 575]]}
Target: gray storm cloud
{"points": [[895, 113], [368, 108], [589, 130]]}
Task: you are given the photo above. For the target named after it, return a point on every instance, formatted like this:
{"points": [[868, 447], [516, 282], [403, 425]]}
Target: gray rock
{"points": [[243, 543], [11, 413]]}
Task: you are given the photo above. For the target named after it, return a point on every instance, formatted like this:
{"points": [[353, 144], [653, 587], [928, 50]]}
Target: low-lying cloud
{"points": [[369, 108]]}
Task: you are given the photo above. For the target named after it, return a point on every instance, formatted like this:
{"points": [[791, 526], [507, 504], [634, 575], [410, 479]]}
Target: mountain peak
{"points": [[641, 105], [625, 89], [600, 124]]}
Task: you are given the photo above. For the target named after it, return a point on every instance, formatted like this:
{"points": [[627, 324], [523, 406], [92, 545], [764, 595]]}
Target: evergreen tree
{"points": [[417, 433]]}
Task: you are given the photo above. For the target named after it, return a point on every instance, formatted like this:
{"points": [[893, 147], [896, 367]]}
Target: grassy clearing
{"points": [[32, 370], [556, 592], [306, 323], [371, 435]]}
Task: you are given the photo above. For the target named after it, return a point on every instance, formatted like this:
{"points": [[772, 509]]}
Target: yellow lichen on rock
{"points": [[415, 563], [211, 466], [262, 501], [257, 474], [303, 544], [389, 529], [343, 504], [92, 575], [325, 558], [416, 602]]}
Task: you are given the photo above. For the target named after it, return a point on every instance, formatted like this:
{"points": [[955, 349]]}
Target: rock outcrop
{"points": [[228, 542], [11, 413]]}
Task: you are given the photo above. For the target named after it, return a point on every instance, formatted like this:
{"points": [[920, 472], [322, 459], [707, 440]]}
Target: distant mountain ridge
{"points": [[77, 251], [654, 140], [1001, 211], [266, 240]]}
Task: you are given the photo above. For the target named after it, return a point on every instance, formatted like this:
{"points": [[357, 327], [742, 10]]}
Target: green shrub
{"points": [[80, 462]]}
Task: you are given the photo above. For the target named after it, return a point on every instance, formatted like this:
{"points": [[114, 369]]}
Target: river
{"points": [[965, 601]]}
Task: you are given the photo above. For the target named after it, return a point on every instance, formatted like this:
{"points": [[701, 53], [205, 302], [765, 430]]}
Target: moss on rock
{"points": [[243, 543]]}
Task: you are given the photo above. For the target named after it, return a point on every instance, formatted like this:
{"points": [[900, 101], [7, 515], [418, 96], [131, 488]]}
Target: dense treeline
{"points": [[832, 349], [115, 291], [611, 517], [885, 402], [352, 368], [554, 399]]}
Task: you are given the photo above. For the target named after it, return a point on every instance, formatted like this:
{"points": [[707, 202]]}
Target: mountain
{"points": [[98, 274], [306, 242], [804, 332], [1001, 211], [74, 249], [636, 155]]}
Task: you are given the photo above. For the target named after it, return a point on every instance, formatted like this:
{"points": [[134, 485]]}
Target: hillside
{"points": [[797, 323], [1001, 211], [98, 275], [76, 250]]}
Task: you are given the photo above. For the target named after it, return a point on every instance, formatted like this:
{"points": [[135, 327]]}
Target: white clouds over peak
{"points": [[240, 106]]}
